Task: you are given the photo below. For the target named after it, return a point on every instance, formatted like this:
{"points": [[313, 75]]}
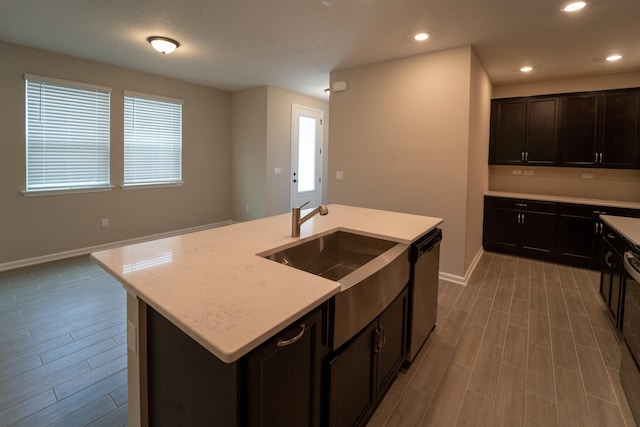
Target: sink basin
{"points": [[332, 256], [371, 272]]}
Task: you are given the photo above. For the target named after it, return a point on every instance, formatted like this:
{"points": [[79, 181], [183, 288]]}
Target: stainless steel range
{"points": [[630, 363]]}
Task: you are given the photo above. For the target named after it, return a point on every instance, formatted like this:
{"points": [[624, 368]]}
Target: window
{"points": [[67, 135], [152, 140]]}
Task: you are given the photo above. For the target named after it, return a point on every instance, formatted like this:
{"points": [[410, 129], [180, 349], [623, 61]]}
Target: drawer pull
{"points": [[610, 236], [522, 205], [284, 343]]}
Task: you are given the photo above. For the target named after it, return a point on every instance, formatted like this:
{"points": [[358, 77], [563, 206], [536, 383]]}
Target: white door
{"points": [[306, 156]]}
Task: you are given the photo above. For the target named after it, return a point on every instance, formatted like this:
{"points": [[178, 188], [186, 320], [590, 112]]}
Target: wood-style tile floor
{"points": [[525, 343], [62, 346]]}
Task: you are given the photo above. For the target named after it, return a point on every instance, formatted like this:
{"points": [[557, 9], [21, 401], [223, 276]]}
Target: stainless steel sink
{"points": [[371, 271], [332, 256]]}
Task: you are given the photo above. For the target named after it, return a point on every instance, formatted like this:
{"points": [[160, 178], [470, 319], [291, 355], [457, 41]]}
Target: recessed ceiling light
{"points": [[526, 69], [573, 7], [163, 45], [614, 58], [329, 2], [421, 36]]}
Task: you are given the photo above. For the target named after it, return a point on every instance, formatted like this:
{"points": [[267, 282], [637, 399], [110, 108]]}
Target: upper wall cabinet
{"points": [[595, 129], [600, 130], [524, 131]]}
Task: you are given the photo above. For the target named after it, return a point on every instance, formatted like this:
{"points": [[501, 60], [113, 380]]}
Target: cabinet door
{"points": [[620, 146], [507, 132], [392, 334], [537, 234], [578, 238], [579, 130], [501, 229], [285, 377], [616, 287], [606, 274], [351, 392], [542, 131]]}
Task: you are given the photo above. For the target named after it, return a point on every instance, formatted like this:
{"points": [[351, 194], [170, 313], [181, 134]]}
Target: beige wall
{"points": [[606, 184], [401, 135], [261, 142], [478, 156], [37, 226], [248, 153]]}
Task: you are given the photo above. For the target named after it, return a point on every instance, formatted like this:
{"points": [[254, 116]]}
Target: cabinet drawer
{"points": [[520, 204]]}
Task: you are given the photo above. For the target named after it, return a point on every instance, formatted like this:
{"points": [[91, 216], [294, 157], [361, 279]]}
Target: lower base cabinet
{"points": [[278, 384], [361, 371], [567, 233], [290, 380], [611, 275]]}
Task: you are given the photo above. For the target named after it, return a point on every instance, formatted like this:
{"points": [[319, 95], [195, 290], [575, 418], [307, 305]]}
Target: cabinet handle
{"points": [[600, 224], [377, 345], [522, 155], [284, 343], [522, 222], [518, 218], [526, 156], [522, 205], [606, 258], [610, 236], [600, 158]]}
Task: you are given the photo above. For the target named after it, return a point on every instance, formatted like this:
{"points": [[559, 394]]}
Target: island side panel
{"points": [[136, 361]]}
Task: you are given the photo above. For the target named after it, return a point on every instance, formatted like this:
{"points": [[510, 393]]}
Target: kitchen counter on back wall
{"points": [[565, 199]]}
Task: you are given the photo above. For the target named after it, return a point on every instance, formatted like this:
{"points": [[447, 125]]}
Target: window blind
{"points": [[152, 140], [67, 135]]}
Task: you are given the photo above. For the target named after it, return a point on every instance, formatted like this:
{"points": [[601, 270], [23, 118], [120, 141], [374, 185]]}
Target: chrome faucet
{"points": [[296, 221]]}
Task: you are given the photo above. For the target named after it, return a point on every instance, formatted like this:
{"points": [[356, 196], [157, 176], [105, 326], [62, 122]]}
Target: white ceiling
{"points": [[295, 44]]}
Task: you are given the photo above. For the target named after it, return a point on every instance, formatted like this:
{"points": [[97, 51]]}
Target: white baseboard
{"points": [[459, 279], [84, 251]]}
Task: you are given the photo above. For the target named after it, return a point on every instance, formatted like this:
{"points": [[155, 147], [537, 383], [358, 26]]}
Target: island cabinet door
{"points": [[390, 339], [284, 377], [351, 391]]}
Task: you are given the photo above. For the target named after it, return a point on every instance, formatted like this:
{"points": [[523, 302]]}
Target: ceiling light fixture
{"points": [[421, 36], [526, 69], [612, 58], [573, 7], [329, 2], [163, 45]]}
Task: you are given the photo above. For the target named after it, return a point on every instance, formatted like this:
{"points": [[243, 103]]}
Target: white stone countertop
{"points": [[565, 199], [629, 228], [213, 286]]}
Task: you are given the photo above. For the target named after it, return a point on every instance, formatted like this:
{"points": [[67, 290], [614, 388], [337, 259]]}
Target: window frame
{"points": [[102, 153], [154, 98]]}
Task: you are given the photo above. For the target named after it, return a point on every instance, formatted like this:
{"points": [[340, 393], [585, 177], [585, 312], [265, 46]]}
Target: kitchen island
{"points": [[216, 290]]}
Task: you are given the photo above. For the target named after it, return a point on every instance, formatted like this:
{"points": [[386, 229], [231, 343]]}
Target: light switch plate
{"points": [[277, 171]]}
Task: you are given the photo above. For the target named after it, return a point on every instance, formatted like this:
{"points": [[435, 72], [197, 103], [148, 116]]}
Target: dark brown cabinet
{"points": [[600, 130], [611, 274], [519, 226], [277, 384], [580, 235], [591, 129], [524, 131], [568, 233], [360, 373]]}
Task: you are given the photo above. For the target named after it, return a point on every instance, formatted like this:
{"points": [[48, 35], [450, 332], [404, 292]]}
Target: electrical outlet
{"points": [[516, 172], [587, 176], [277, 171], [528, 172], [339, 175], [105, 222], [246, 208]]}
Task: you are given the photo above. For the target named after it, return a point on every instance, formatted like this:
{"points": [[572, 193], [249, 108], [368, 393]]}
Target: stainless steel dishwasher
{"points": [[423, 291]]}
